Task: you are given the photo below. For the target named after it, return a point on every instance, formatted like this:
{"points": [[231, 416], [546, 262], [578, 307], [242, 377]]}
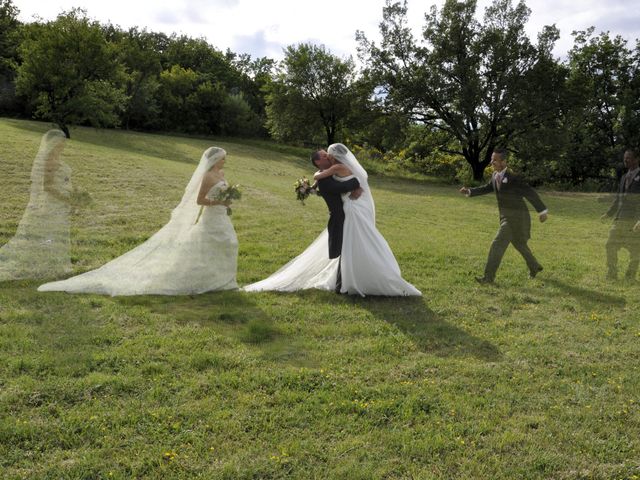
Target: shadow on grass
{"points": [[585, 296], [231, 313], [429, 333], [167, 145]]}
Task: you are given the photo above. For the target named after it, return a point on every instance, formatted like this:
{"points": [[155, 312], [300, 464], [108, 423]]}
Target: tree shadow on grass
{"points": [[173, 146]]}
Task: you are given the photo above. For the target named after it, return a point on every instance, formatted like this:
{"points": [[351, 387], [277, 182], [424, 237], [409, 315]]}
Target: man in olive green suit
{"points": [[515, 222], [625, 212]]}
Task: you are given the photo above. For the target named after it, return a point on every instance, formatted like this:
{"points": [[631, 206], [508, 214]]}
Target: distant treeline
{"points": [[438, 104]]}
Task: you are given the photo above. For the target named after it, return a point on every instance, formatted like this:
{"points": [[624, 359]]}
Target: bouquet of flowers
{"points": [[303, 189], [232, 192]]}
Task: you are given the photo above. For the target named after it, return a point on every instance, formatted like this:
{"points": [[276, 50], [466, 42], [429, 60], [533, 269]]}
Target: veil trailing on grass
{"points": [[183, 257], [40, 246], [311, 269], [367, 263]]}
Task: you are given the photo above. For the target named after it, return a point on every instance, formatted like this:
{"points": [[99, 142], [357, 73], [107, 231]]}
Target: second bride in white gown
{"points": [[367, 263], [191, 254]]}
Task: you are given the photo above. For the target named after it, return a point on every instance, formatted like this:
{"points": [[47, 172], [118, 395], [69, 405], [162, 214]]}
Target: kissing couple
{"points": [[350, 256]]}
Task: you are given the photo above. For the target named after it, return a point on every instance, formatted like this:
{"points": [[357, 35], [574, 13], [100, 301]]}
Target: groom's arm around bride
{"points": [[331, 191]]}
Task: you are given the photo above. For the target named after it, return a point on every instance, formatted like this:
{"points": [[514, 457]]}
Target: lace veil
{"points": [[40, 246]]}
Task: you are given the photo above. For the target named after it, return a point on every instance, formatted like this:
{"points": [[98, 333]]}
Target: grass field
{"points": [[528, 379]]}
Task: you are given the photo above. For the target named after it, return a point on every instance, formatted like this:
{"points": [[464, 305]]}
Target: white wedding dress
{"points": [[367, 264], [183, 257], [40, 246]]}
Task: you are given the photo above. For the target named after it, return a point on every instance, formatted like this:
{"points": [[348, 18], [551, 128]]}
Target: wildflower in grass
{"points": [[169, 456]]}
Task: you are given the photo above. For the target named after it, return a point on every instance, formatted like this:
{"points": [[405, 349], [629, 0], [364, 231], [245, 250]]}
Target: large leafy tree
{"points": [[631, 113], [255, 80], [599, 79], [313, 91], [138, 52], [69, 72], [205, 90], [9, 41], [177, 84], [472, 81]]}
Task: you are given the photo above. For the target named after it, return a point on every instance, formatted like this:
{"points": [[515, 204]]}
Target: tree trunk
{"points": [[478, 166], [65, 130], [472, 156], [478, 169], [331, 135]]}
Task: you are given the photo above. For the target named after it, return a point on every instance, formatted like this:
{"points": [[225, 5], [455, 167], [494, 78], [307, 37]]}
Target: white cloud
{"points": [[264, 27], [257, 44]]}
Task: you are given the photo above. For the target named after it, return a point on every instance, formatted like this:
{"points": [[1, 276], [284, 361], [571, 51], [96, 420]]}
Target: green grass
{"points": [[528, 379]]}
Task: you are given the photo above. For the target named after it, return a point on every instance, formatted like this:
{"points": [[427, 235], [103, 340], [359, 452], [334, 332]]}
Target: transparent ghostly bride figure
{"points": [[193, 253], [40, 245]]}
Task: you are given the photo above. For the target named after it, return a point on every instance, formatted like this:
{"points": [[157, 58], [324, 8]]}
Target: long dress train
{"points": [[183, 257], [368, 266]]}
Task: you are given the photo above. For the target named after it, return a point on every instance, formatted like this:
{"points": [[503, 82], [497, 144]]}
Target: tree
{"points": [[313, 91], [176, 86], [138, 54], [469, 80], [631, 101], [8, 36], [69, 72], [256, 76], [599, 78], [9, 41]]}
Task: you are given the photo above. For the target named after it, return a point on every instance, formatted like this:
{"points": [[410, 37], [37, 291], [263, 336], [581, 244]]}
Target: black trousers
{"points": [[503, 238], [339, 277]]}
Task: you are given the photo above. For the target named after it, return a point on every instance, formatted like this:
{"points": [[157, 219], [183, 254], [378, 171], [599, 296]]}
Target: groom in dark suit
{"points": [[331, 190], [625, 212], [515, 222]]}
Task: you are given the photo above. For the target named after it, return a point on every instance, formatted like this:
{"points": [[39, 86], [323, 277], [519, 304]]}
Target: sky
{"points": [[265, 27]]}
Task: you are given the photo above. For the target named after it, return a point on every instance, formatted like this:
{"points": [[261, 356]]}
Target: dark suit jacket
{"points": [[331, 190], [513, 190], [627, 203]]}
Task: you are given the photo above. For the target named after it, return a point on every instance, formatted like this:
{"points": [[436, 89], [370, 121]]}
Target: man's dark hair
{"points": [[503, 152], [315, 156], [633, 151]]}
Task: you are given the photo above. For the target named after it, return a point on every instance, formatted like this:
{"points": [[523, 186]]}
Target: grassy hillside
{"points": [[530, 379]]}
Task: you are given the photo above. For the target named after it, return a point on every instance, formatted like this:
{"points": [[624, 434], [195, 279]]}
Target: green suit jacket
{"points": [[511, 195]]}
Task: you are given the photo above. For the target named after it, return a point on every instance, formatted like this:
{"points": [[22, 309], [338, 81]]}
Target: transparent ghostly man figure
{"points": [[40, 245]]}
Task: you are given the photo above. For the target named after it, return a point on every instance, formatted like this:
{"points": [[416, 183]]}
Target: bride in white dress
{"points": [[40, 246], [367, 264], [191, 254]]}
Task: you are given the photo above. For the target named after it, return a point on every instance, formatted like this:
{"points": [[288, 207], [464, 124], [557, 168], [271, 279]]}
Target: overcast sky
{"points": [[264, 27]]}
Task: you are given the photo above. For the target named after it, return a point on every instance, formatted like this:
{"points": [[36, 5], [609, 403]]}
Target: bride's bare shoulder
{"points": [[343, 170], [212, 177]]}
